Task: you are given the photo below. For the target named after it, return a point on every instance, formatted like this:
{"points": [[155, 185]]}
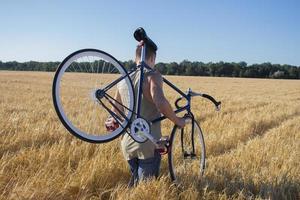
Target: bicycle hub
{"points": [[99, 94]]}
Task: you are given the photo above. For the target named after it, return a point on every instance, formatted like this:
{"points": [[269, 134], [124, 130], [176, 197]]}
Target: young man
{"points": [[143, 158]]}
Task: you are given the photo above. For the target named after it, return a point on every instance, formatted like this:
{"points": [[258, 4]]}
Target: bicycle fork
{"points": [[188, 154]]}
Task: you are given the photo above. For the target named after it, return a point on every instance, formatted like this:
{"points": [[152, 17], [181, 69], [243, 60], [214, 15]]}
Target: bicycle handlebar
{"points": [[176, 102], [216, 103]]}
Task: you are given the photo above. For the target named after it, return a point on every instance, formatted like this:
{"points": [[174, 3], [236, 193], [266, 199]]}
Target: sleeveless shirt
{"points": [[130, 148]]}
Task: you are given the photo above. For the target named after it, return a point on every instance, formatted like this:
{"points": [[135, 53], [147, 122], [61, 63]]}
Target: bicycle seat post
{"points": [[140, 89], [143, 56]]}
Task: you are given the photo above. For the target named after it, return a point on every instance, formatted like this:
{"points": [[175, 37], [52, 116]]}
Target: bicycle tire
{"points": [[86, 70], [183, 168]]}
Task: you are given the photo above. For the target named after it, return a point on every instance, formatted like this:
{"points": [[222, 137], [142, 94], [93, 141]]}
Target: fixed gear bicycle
{"points": [[83, 95]]}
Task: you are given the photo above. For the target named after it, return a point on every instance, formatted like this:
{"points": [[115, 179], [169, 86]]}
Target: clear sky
{"points": [[254, 31]]}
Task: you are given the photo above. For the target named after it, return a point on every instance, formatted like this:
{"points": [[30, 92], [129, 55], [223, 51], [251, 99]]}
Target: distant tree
{"points": [[212, 68], [161, 67], [129, 64], [186, 67], [292, 72], [242, 64], [173, 69], [278, 74]]}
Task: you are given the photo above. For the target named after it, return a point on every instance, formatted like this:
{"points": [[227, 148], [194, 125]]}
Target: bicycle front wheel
{"points": [[186, 156], [84, 95]]}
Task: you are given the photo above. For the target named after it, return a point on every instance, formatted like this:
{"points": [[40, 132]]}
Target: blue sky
{"points": [[254, 31]]}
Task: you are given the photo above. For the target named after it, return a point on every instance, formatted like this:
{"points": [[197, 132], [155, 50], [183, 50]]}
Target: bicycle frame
{"points": [[187, 96], [143, 66]]}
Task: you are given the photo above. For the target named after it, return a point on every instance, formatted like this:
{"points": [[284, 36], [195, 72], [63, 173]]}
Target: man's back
{"points": [[149, 111], [143, 158]]}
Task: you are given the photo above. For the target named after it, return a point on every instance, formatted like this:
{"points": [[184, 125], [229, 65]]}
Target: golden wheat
{"points": [[253, 144]]}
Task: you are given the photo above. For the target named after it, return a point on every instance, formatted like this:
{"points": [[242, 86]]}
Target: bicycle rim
{"points": [[187, 154], [83, 91]]}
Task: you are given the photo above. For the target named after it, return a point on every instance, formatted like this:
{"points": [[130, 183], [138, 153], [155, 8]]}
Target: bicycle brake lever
{"points": [[187, 120]]}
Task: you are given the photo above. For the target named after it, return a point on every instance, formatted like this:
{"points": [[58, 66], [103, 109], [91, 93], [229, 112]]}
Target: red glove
{"points": [[111, 124]]}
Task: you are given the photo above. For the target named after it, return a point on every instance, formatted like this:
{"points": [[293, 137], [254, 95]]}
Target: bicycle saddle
{"points": [[140, 34]]}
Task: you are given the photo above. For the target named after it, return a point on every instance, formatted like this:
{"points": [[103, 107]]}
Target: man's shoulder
{"points": [[155, 75]]}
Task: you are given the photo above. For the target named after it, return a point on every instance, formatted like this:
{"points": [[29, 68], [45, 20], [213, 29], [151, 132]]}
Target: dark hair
{"points": [[150, 52]]}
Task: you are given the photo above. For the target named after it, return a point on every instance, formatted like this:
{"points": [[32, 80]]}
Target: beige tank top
{"points": [[130, 148]]}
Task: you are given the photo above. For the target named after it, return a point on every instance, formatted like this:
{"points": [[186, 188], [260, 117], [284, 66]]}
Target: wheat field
{"points": [[253, 144]]}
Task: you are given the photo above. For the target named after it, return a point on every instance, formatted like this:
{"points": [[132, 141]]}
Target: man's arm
{"points": [[159, 99]]}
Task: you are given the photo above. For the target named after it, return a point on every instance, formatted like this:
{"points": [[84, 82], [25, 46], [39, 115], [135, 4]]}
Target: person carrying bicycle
{"points": [[143, 158], [136, 109]]}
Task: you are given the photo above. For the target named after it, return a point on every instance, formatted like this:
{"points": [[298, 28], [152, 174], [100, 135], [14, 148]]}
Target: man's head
{"points": [[149, 57]]}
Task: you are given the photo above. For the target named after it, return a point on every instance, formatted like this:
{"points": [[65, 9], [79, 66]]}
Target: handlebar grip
{"points": [[140, 34], [177, 101], [217, 103]]}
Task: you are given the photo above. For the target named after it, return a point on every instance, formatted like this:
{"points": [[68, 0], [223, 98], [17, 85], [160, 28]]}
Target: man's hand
{"points": [[180, 122], [111, 124]]}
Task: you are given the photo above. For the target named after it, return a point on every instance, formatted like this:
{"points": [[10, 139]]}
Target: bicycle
{"points": [[83, 88]]}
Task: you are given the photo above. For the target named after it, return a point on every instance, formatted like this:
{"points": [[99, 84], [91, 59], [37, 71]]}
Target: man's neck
{"points": [[138, 63]]}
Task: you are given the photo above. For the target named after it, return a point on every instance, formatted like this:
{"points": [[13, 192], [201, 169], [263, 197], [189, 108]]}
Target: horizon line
{"points": [[248, 64]]}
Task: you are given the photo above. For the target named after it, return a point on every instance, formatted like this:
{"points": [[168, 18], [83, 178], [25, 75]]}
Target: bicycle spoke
{"points": [[115, 82], [84, 64], [103, 66]]}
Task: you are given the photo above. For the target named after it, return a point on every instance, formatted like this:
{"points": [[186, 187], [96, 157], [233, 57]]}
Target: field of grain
{"points": [[253, 144]]}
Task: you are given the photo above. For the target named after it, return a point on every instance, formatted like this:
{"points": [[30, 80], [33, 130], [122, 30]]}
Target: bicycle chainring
{"points": [[139, 127]]}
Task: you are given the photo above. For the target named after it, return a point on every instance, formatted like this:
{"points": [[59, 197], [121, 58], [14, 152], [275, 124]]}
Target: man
{"points": [[143, 158]]}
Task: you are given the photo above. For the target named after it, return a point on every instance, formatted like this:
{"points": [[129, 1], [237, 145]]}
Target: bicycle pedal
{"points": [[190, 155], [193, 156], [186, 155], [163, 141]]}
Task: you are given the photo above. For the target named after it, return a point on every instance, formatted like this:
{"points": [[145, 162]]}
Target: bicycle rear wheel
{"points": [[186, 156], [83, 91]]}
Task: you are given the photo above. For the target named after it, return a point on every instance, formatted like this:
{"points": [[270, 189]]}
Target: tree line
{"points": [[187, 68]]}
